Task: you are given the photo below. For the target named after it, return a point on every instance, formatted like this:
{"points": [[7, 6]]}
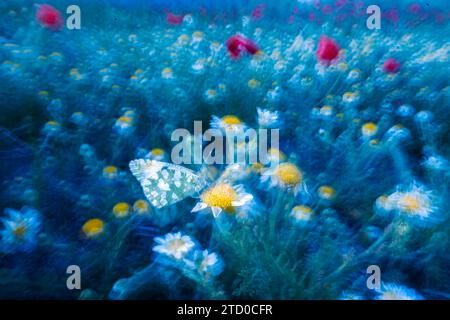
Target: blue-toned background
{"points": [[364, 150]]}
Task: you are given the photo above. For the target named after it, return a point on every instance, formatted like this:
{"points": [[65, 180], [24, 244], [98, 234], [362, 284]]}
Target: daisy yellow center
{"points": [[125, 119], [231, 120], [93, 227], [175, 244], [198, 34], [288, 174], [326, 192], [220, 195], [157, 152], [212, 93], [253, 83], [410, 203], [19, 231], [141, 206], [53, 123], [110, 169], [257, 166], [302, 209]]}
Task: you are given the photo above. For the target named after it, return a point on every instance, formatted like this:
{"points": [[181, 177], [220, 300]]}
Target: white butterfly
{"points": [[165, 183]]}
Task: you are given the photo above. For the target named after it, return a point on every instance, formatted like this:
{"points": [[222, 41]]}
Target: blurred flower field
{"points": [[363, 176]]}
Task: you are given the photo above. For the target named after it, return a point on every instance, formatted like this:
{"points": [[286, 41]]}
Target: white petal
{"points": [[216, 211], [237, 203], [199, 206], [246, 197]]}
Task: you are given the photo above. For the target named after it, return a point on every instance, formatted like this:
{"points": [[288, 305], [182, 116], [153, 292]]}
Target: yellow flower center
{"points": [[211, 92], [326, 192], [221, 195], [141, 206], [302, 209], [93, 227], [175, 244], [197, 34], [410, 203], [125, 119], [110, 169], [19, 231], [288, 174], [157, 152], [257, 166], [122, 209], [253, 83], [53, 123], [231, 120]]}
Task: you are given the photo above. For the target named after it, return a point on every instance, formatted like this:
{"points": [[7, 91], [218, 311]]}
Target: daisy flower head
{"points": [[302, 213], [350, 98], [326, 193], [436, 162], [268, 119], [124, 125], [414, 202], [228, 123], [384, 204], [206, 263], [156, 154], [79, 118], [393, 291], [93, 228], [354, 75], [167, 73], [174, 245], [285, 175], [110, 172], [369, 129], [210, 95], [397, 133], [20, 230], [222, 196], [121, 210], [52, 128], [141, 207]]}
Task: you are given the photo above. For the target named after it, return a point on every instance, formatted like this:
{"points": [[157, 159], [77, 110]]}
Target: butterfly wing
{"points": [[165, 183]]}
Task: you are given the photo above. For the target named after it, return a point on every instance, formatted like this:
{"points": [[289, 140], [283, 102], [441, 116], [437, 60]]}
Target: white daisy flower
{"points": [[267, 118], [414, 202], [174, 245], [392, 291], [228, 123], [156, 154], [205, 262], [285, 175], [20, 229], [301, 213]]}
